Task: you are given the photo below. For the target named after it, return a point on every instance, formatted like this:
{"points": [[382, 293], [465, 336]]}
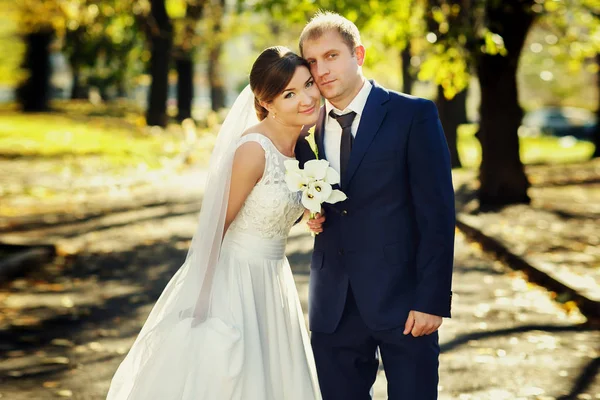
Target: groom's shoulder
{"points": [[406, 101]]}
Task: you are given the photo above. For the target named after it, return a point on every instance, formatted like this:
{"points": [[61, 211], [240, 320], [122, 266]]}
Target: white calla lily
{"points": [[322, 190], [332, 177], [314, 182], [295, 181], [292, 166], [294, 176], [316, 169], [310, 200], [336, 196]]}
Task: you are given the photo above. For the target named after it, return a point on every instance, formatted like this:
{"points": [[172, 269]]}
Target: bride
{"points": [[229, 325]]}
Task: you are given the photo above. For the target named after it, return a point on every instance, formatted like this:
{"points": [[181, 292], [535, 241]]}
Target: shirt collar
{"points": [[357, 104]]}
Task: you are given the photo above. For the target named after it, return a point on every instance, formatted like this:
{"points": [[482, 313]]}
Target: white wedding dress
{"points": [[253, 344]]}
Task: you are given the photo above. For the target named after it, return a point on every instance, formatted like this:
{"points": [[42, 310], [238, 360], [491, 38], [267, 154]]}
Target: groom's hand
{"points": [[420, 324], [316, 225]]}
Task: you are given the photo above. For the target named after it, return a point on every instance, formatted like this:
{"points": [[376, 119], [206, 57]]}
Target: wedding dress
{"points": [[249, 341]]}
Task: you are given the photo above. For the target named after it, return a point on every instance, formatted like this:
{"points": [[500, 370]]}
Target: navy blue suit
{"points": [[386, 250]]}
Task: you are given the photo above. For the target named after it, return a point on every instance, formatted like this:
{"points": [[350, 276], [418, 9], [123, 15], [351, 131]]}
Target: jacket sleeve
{"points": [[432, 194]]}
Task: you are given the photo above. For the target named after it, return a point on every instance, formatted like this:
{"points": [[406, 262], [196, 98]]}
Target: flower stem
{"points": [[313, 215]]}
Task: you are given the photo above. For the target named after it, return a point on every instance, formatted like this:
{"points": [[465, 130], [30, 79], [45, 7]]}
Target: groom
{"points": [[382, 263]]}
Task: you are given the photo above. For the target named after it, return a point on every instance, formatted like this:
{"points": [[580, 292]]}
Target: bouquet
{"points": [[315, 182]]}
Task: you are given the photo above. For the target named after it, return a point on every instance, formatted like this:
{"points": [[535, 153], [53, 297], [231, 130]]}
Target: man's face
{"points": [[336, 69]]}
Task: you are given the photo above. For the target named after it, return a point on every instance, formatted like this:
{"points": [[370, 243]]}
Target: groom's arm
{"points": [[433, 199]]}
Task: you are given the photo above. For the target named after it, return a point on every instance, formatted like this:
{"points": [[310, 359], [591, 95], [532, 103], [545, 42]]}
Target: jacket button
{"points": [[341, 252], [344, 212]]}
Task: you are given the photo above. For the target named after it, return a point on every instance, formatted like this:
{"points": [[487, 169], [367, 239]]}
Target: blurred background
{"points": [[108, 113]]}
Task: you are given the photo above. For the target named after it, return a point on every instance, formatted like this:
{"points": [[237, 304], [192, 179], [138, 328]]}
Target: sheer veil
{"points": [[186, 298]]}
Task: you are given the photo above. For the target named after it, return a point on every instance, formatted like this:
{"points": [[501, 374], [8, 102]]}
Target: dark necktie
{"points": [[345, 121]]}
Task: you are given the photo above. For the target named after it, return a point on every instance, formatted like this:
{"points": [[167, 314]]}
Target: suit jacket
{"points": [[392, 240]]}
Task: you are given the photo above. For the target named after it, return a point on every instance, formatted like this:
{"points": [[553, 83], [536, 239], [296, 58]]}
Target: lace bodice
{"points": [[271, 208]]}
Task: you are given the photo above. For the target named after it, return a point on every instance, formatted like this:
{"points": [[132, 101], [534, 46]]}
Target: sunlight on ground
{"points": [[534, 150], [123, 141]]}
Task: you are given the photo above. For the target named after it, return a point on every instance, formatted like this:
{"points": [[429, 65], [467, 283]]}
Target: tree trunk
{"points": [[185, 87], [217, 89], [77, 91], [75, 59], [34, 93], [161, 37], [407, 77], [597, 128], [452, 113], [501, 174], [215, 79], [184, 59]]}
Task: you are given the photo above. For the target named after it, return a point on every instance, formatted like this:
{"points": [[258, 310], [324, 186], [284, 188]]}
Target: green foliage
{"points": [[60, 136], [102, 40], [386, 27], [11, 48], [574, 23], [546, 77]]}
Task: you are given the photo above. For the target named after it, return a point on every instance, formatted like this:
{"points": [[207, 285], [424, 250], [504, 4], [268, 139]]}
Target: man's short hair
{"points": [[326, 21]]}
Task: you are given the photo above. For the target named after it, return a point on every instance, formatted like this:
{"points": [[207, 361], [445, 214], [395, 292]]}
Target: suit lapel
{"points": [[370, 121]]}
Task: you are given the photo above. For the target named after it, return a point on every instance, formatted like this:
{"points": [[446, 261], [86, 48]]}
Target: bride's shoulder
{"points": [[254, 134], [249, 155], [257, 129], [252, 141]]}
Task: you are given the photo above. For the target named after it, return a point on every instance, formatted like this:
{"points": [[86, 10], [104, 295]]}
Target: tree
{"points": [[442, 17], [501, 174], [453, 112], [34, 93], [100, 39], [572, 41], [592, 44], [160, 34], [597, 128], [408, 78], [215, 74], [492, 41], [186, 43], [104, 45], [38, 24], [488, 40], [11, 47]]}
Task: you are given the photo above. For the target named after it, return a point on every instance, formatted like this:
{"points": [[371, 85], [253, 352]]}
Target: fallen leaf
{"points": [[62, 342], [56, 360]]}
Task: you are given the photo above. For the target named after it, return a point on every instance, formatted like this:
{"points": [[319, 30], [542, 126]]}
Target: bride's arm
{"points": [[248, 167]]}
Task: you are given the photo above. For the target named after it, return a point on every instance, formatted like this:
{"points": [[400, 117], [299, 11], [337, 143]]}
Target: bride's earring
{"points": [[273, 115]]}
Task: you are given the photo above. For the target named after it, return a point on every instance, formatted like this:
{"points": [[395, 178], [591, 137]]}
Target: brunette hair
{"points": [[270, 75]]}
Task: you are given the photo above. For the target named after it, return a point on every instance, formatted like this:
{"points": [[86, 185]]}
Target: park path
{"points": [[65, 327]]}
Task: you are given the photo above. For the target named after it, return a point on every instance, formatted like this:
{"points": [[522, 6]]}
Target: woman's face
{"points": [[299, 103]]}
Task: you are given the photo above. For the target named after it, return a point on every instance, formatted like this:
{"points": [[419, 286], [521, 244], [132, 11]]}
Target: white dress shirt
{"points": [[333, 130]]}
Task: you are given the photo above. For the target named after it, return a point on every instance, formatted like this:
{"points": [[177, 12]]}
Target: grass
{"points": [[534, 150], [59, 136], [115, 135]]}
